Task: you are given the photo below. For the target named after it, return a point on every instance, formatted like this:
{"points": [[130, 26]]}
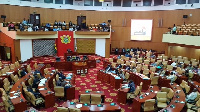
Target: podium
{"points": [[80, 68]]}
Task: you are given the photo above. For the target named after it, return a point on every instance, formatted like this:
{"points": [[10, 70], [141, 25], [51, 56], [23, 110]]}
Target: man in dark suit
{"points": [[23, 72], [36, 81]]}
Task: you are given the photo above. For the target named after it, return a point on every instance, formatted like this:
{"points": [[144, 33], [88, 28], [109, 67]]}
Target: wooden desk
{"points": [[94, 92], [63, 66], [138, 101], [138, 78], [80, 67], [122, 94], [178, 106], [108, 78], [93, 108], [46, 92], [194, 84], [19, 105]]}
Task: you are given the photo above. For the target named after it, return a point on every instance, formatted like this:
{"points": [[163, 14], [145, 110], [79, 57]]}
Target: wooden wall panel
{"points": [[17, 49], [107, 50], [8, 42], [121, 35], [86, 45]]}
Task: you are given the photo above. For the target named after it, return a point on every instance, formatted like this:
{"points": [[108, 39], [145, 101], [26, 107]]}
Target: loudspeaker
{"points": [[109, 21], [185, 16], [3, 16]]}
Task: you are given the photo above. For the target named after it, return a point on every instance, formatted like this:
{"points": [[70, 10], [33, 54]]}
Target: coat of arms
{"points": [[65, 39]]}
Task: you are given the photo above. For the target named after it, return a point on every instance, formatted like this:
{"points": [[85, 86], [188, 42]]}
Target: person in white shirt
{"points": [[174, 64], [172, 77], [192, 96], [30, 29]]}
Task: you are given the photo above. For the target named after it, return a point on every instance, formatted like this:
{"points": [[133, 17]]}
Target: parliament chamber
{"points": [[99, 56]]}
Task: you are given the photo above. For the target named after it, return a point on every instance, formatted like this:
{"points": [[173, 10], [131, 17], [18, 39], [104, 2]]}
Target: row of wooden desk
{"points": [[106, 107], [108, 78]]}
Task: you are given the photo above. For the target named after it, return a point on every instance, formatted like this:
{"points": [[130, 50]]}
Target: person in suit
{"points": [[174, 29], [36, 81], [23, 72], [61, 75], [119, 66], [36, 94], [128, 68], [116, 51], [132, 86], [108, 68]]}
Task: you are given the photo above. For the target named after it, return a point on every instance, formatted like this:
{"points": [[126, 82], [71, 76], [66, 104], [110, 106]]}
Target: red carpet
{"points": [[90, 83]]}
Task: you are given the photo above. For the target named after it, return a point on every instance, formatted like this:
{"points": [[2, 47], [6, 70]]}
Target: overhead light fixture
{"points": [[101, 0]]}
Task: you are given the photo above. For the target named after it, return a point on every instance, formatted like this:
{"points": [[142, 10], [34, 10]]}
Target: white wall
{"points": [[172, 6], [100, 47], [26, 49]]}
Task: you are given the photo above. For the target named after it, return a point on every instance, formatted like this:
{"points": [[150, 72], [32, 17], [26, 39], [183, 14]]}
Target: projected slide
{"points": [[141, 29]]}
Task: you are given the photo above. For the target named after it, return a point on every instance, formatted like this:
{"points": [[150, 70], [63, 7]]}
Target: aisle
{"points": [[90, 83]]}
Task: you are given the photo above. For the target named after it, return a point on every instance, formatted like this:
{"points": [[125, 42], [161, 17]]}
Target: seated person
{"points": [[192, 96], [30, 29], [132, 86], [119, 57], [172, 77], [36, 81], [23, 72], [121, 75], [60, 82], [11, 26], [48, 25], [24, 22], [36, 94], [21, 27], [54, 29], [37, 71], [55, 23], [85, 57], [128, 55], [153, 64], [115, 71], [61, 75], [108, 68], [119, 66], [128, 68], [174, 64], [116, 51], [67, 85], [78, 58], [68, 58]]}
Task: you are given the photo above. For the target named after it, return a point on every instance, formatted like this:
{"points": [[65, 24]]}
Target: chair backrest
{"points": [[146, 61], [12, 76], [19, 73], [62, 109], [149, 105], [85, 98], [170, 94], [153, 69], [140, 60], [127, 75], [154, 80], [95, 99], [38, 75], [187, 88], [74, 110], [145, 66], [169, 67], [153, 60], [23, 84], [114, 64], [30, 81], [35, 66], [164, 89], [59, 91], [16, 78], [54, 82], [161, 95], [57, 77], [137, 91], [12, 66], [198, 103], [110, 59]]}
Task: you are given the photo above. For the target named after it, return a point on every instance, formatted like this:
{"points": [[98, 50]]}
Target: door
{"points": [[35, 19], [81, 21]]}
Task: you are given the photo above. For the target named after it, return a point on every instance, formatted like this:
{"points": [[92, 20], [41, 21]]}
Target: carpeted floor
{"points": [[90, 83]]}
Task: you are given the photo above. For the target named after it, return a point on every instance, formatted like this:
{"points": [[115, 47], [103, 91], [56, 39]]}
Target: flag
{"points": [[64, 41]]}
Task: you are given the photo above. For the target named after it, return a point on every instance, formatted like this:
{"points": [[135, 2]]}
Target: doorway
{"points": [[35, 19], [81, 21], [5, 53]]}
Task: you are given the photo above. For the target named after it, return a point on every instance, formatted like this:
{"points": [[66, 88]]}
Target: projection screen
{"points": [[141, 29]]}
